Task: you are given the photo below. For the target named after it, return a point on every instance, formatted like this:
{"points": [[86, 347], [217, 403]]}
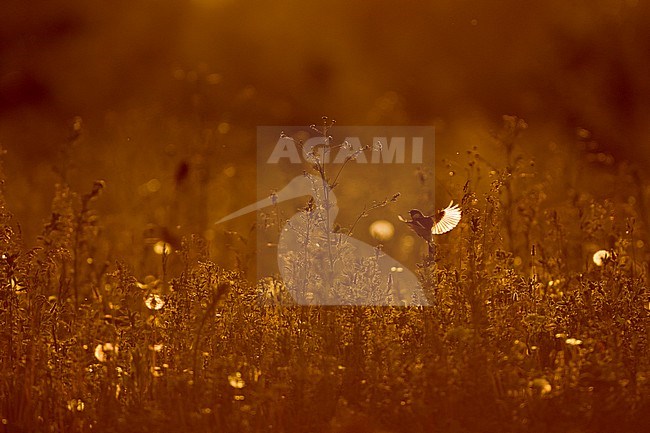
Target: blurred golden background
{"points": [[167, 93]]}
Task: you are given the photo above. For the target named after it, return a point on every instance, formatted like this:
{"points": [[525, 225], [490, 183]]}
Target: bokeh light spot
{"points": [[382, 230]]}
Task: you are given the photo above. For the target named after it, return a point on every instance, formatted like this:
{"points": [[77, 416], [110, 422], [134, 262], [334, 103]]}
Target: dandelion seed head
{"points": [[542, 385], [601, 257], [154, 302], [162, 247], [76, 405], [573, 342], [102, 351], [382, 230], [235, 380]]}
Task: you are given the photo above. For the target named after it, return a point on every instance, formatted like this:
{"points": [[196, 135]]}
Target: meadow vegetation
{"points": [[526, 330]]}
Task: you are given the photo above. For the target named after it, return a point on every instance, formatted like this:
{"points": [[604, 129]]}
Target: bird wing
{"points": [[446, 219]]}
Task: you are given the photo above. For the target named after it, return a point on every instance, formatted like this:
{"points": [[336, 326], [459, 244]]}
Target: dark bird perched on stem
{"points": [[426, 226]]}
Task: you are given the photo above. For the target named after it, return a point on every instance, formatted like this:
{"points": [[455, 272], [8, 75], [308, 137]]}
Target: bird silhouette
{"points": [[441, 222], [426, 226], [321, 266]]}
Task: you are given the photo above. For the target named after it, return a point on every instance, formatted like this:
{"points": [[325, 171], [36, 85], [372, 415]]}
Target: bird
{"points": [[323, 266], [426, 226]]}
